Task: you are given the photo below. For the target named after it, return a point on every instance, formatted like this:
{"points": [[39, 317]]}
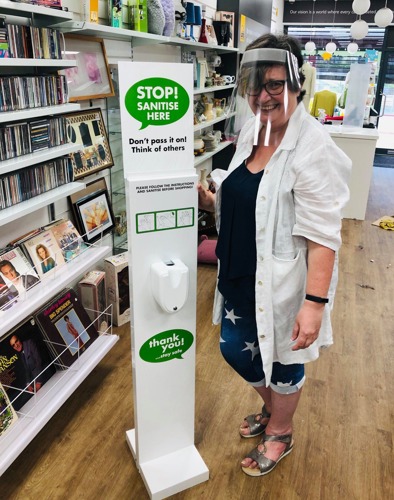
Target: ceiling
{"points": [[321, 35]]}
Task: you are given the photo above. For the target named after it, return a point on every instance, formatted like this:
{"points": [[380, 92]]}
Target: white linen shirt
{"points": [[300, 197]]}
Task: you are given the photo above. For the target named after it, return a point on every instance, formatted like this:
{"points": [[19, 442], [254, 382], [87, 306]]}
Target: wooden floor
{"points": [[343, 426]]}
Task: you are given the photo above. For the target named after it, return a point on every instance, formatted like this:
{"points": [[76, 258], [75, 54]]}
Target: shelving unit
{"points": [[27, 207], [207, 124], [43, 405], [216, 88], [205, 156], [39, 157], [39, 410]]}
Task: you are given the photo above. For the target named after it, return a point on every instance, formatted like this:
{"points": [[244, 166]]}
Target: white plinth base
{"points": [[172, 473]]}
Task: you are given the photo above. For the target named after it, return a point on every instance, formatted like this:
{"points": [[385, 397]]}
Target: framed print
{"points": [[86, 128], [94, 215], [90, 79]]}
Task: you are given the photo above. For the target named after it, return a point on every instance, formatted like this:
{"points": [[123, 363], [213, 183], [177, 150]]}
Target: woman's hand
{"points": [[307, 325], [206, 199]]}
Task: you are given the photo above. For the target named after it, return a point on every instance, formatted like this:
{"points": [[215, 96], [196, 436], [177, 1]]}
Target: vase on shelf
{"points": [[208, 111], [203, 33]]}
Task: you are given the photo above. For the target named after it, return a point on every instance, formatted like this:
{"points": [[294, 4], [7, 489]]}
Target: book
{"points": [[68, 239], [25, 363], [90, 11], [115, 13], [138, 10], [8, 415], [44, 252], [67, 327], [17, 274]]}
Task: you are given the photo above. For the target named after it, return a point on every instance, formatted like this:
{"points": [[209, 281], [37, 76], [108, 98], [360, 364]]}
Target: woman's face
{"points": [[42, 253], [275, 109]]}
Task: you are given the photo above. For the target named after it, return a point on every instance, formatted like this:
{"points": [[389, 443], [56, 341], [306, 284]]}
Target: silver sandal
{"points": [[255, 426], [265, 465]]}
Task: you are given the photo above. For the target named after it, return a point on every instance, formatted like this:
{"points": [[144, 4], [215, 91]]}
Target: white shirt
{"points": [[300, 197]]}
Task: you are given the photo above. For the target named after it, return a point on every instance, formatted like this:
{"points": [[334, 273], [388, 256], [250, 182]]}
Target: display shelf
{"points": [[200, 159], [28, 10], [30, 159], [213, 89], [50, 286], [182, 42], [18, 62], [38, 411], [110, 33], [32, 113], [207, 124], [42, 200]]}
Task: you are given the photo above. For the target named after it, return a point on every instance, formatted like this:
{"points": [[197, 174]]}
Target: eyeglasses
{"points": [[272, 87]]}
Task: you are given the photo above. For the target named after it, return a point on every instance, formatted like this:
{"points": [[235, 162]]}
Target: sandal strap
{"points": [[283, 438], [256, 427]]}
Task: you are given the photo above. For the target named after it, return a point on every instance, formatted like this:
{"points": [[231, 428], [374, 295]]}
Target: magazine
{"points": [[17, 274], [67, 327], [44, 252], [8, 415], [68, 239], [25, 363]]}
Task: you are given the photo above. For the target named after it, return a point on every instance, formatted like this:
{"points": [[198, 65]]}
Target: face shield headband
{"points": [[250, 84]]}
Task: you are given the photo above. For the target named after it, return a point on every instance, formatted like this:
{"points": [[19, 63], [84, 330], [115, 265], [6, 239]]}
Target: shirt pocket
{"points": [[288, 290]]}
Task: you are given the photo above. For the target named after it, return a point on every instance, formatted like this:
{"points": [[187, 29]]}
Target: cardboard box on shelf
{"points": [[92, 294], [117, 287]]}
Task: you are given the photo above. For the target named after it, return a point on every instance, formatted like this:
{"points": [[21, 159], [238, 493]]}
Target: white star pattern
{"points": [[231, 316], [251, 347]]}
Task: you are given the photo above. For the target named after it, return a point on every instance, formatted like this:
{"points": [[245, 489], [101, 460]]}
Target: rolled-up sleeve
{"points": [[321, 192]]}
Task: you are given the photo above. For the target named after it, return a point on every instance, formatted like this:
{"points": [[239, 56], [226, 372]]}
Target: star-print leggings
{"points": [[240, 348]]}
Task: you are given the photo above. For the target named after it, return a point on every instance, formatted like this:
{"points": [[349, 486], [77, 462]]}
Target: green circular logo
{"points": [[156, 101]]}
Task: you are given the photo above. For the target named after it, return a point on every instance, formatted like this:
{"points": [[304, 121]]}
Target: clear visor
{"points": [[264, 97]]}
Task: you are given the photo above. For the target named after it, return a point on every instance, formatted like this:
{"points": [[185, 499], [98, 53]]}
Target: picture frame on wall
{"points": [[90, 78], [94, 215], [86, 128]]}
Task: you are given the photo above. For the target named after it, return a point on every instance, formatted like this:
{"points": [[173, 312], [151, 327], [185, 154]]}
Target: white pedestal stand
{"points": [[162, 229]]}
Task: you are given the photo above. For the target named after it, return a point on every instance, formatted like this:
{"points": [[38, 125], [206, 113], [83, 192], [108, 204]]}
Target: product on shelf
{"points": [[68, 239], [91, 291], [8, 415], [17, 275], [25, 363], [44, 252], [117, 283], [67, 327]]}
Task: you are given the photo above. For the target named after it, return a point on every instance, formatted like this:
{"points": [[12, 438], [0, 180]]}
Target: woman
{"points": [[47, 262], [278, 209]]}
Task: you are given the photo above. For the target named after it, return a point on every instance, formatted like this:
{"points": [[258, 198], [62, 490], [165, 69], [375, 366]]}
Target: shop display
{"points": [[117, 285], [8, 415], [91, 291], [67, 327], [26, 364]]}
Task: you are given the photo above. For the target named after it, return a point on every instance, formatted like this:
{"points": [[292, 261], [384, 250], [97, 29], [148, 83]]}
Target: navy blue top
{"points": [[236, 246]]}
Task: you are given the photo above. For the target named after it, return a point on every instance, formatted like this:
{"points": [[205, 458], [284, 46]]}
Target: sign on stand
{"points": [[156, 103]]}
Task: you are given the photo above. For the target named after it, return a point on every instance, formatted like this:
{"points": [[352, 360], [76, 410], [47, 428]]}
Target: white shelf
{"points": [[11, 62], [199, 159], [38, 411], [28, 10], [176, 40], [42, 200], [138, 37], [207, 124], [39, 157], [48, 287], [110, 33], [32, 113], [213, 89]]}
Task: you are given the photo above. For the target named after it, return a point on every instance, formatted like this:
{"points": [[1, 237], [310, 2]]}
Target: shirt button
{"points": [[261, 309], [262, 336], [260, 282], [263, 198], [266, 172]]}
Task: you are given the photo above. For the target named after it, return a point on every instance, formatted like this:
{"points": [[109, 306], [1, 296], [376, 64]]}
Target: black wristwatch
{"points": [[313, 298]]}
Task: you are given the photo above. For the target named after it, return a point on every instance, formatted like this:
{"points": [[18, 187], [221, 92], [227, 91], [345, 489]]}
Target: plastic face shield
{"points": [[265, 94]]}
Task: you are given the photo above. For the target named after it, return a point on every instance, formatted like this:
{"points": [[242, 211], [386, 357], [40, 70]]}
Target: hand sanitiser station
{"points": [[156, 103]]}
